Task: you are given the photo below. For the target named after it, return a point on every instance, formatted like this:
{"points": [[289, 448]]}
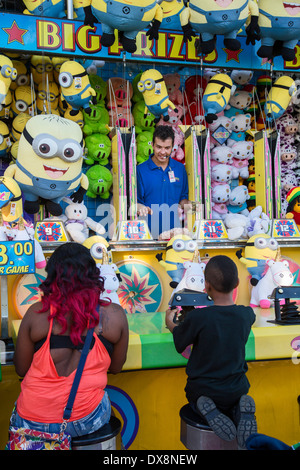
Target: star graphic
{"points": [[232, 55], [135, 292], [15, 33]]}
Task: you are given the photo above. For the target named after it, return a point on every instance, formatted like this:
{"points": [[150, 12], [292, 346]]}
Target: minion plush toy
{"points": [[279, 23], [49, 163], [279, 97], [258, 250], [98, 246], [7, 74], [76, 89], [155, 94], [5, 142], [22, 74], [179, 249], [129, 18], [24, 100], [50, 8], [47, 98], [41, 68], [293, 208], [216, 96], [213, 17]]}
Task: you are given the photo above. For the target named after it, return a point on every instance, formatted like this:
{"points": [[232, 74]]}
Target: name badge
{"points": [[171, 176]]}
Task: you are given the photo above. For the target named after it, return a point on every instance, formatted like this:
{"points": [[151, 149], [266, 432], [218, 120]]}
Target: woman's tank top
{"points": [[44, 393]]}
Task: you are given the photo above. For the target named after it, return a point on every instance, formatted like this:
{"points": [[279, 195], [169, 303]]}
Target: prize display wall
{"points": [[77, 95]]}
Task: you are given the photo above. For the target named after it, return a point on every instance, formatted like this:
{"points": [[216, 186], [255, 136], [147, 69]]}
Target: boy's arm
{"points": [[183, 333]]}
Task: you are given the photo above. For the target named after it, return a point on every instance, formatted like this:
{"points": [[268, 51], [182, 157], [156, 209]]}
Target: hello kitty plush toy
{"points": [[240, 125], [220, 197], [242, 153], [237, 200], [221, 154], [221, 174]]}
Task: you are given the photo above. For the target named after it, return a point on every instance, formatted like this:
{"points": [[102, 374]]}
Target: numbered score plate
{"points": [[17, 257], [209, 229]]}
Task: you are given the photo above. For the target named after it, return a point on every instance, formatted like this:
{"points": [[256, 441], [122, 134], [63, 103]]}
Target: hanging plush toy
{"points": [[279, 23], [128, 17], [50, 8], [49, 163], [7, 74], [293, 208], [279, 97], [5, 142], [155, 94], [76, 89], [214, 17], [216, 96]]}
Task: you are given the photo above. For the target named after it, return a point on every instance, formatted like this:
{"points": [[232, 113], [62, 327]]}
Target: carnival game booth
{"points": [[235, 115]]}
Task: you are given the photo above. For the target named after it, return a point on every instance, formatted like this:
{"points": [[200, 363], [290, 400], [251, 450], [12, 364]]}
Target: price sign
{"points": [[17, 257]]}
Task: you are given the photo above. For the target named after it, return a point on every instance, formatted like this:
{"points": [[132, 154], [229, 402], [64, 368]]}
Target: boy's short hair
{"points": [[221, 272], [164, 133]]}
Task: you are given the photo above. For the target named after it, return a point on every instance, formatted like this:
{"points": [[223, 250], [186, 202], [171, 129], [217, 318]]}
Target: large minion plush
{"points": [[155, 94], [50, 8], [258, 250], [279, 97], [7, 74], [171, 13], [216, 96], [279, 23], [129, 18], [76, 89], [49, 163], [24, 100], [214, 17], [179, 249]]}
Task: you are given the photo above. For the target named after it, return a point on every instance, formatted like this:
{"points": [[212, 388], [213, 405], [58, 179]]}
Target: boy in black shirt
{"points": [[217, 385]]}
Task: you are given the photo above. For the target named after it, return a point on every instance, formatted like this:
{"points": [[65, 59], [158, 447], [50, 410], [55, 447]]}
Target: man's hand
{"points": [[143, 211]]}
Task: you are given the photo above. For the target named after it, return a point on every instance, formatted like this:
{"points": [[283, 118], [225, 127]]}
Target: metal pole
{"points": [[70, 12]]}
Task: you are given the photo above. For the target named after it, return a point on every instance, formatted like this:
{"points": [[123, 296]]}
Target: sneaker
{"points": [[246, 422], [220, 424]]}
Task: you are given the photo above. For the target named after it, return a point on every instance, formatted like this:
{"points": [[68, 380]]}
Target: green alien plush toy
{"points": [[144, 147], [142, 122], [98, 148], [97, 121], [100, 181]]}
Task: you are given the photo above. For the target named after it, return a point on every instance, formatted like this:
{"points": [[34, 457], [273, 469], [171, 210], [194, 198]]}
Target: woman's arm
{"points": [[24, 346], [115, 329]]}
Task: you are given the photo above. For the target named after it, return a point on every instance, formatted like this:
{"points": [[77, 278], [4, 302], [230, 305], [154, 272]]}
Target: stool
{"points": [[106, 438], [195, 435]]}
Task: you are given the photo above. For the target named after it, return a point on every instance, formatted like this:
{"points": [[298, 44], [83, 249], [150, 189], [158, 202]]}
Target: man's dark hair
{"points": [[221, 272], [164, 133]]}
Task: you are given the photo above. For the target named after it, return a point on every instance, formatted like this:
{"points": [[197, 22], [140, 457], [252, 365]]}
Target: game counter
{"points": [[150, 390]]}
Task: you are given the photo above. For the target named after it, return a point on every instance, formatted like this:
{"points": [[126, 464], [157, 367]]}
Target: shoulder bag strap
{"points": [[84, 353]]}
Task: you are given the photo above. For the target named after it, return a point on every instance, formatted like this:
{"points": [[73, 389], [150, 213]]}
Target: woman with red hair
{"points": [[50, 340]]}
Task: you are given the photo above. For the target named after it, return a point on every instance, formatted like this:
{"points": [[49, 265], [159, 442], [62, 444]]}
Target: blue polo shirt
{"points": [[156, 190]]}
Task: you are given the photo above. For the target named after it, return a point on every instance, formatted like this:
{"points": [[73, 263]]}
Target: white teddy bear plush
{"points": [[77, 222]]}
